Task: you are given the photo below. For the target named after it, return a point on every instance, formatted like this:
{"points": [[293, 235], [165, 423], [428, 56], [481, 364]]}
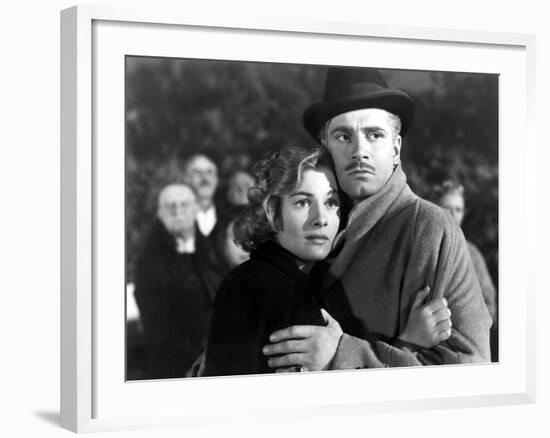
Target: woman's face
{"points": [[310, 216]]}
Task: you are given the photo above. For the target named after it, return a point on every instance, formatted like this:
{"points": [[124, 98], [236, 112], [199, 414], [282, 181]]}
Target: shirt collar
{"points": [[206, 220], [186, 246]]}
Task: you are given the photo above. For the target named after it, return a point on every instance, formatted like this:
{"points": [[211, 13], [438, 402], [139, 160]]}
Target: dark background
{"points": [[230, 109]]}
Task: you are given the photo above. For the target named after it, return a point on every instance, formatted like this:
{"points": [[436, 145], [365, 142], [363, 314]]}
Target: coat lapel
{"points": [[364, 216]]}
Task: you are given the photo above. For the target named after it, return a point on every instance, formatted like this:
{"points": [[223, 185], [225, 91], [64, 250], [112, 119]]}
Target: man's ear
{"points": [[397, 150]]}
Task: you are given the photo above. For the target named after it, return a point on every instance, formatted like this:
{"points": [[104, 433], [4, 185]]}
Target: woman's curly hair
{"points": [[277, 175]]}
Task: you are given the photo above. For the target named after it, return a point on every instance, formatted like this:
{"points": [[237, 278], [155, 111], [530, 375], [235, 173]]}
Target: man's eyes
{"points": [[197, 173], [342, 137], [182, 205], [375, 135], [372, 136]]}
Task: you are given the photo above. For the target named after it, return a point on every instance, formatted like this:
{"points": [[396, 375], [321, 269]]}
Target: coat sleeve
{"points": [[439, 257]]}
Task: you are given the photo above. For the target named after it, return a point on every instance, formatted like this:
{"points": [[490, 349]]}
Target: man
{"points": [[201, 173], [395, 243], [176, 280], [450, 196]]}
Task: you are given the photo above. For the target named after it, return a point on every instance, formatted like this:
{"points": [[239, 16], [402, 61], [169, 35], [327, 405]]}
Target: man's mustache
{"points": [[205, 182], [359, 166]]}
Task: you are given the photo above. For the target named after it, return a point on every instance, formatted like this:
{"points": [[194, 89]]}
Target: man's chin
{"points": [[182, 234], [361, 191], [205, 192]]}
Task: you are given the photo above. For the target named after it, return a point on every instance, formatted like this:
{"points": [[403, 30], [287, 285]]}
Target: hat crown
{"points": [[351, 89], [343, 83]]}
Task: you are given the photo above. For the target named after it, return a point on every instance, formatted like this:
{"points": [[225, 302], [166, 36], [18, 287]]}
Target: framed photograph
{"points": [[144, 92]]}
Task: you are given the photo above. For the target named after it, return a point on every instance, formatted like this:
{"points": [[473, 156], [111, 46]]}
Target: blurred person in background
{"points": [[450, 196], [232, 255], [233, 193], [232, 201], [237, 188], [176, 278], [201, 173]]}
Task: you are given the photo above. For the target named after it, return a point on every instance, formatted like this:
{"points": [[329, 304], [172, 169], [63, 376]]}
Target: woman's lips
{"points": [[319, 239]]}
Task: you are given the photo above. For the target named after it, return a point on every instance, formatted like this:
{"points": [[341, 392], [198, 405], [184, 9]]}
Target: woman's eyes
{"points": [[302, 202], [331, 203]]}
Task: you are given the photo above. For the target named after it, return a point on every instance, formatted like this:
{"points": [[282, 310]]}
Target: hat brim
{"points": [[394, 101]]}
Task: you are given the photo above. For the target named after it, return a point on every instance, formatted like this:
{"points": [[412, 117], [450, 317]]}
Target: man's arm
{"points": [[313, 347], [445, 256]]}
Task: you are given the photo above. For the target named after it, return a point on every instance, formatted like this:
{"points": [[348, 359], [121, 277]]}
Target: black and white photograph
{"points": [[277, 219], [285, 218]]}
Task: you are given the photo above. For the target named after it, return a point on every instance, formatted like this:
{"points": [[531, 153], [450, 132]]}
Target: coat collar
{"points": [[160, 239], [366, 214], [273, 253]]}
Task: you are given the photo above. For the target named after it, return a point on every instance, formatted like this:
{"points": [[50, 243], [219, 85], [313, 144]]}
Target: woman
{"points": [[291, 223]]}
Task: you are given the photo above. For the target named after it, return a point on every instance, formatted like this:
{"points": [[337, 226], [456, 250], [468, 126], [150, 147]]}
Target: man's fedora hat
{"points": [[349, 89]]}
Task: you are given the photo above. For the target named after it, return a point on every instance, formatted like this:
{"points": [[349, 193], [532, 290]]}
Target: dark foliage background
{"points": [[176, 107]]}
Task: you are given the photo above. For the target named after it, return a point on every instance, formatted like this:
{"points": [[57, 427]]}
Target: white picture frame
{"points": [[93, 397]]}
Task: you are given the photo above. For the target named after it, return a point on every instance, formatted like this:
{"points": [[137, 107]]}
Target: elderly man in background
{"points": [[176, 280], [394, 244]]}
